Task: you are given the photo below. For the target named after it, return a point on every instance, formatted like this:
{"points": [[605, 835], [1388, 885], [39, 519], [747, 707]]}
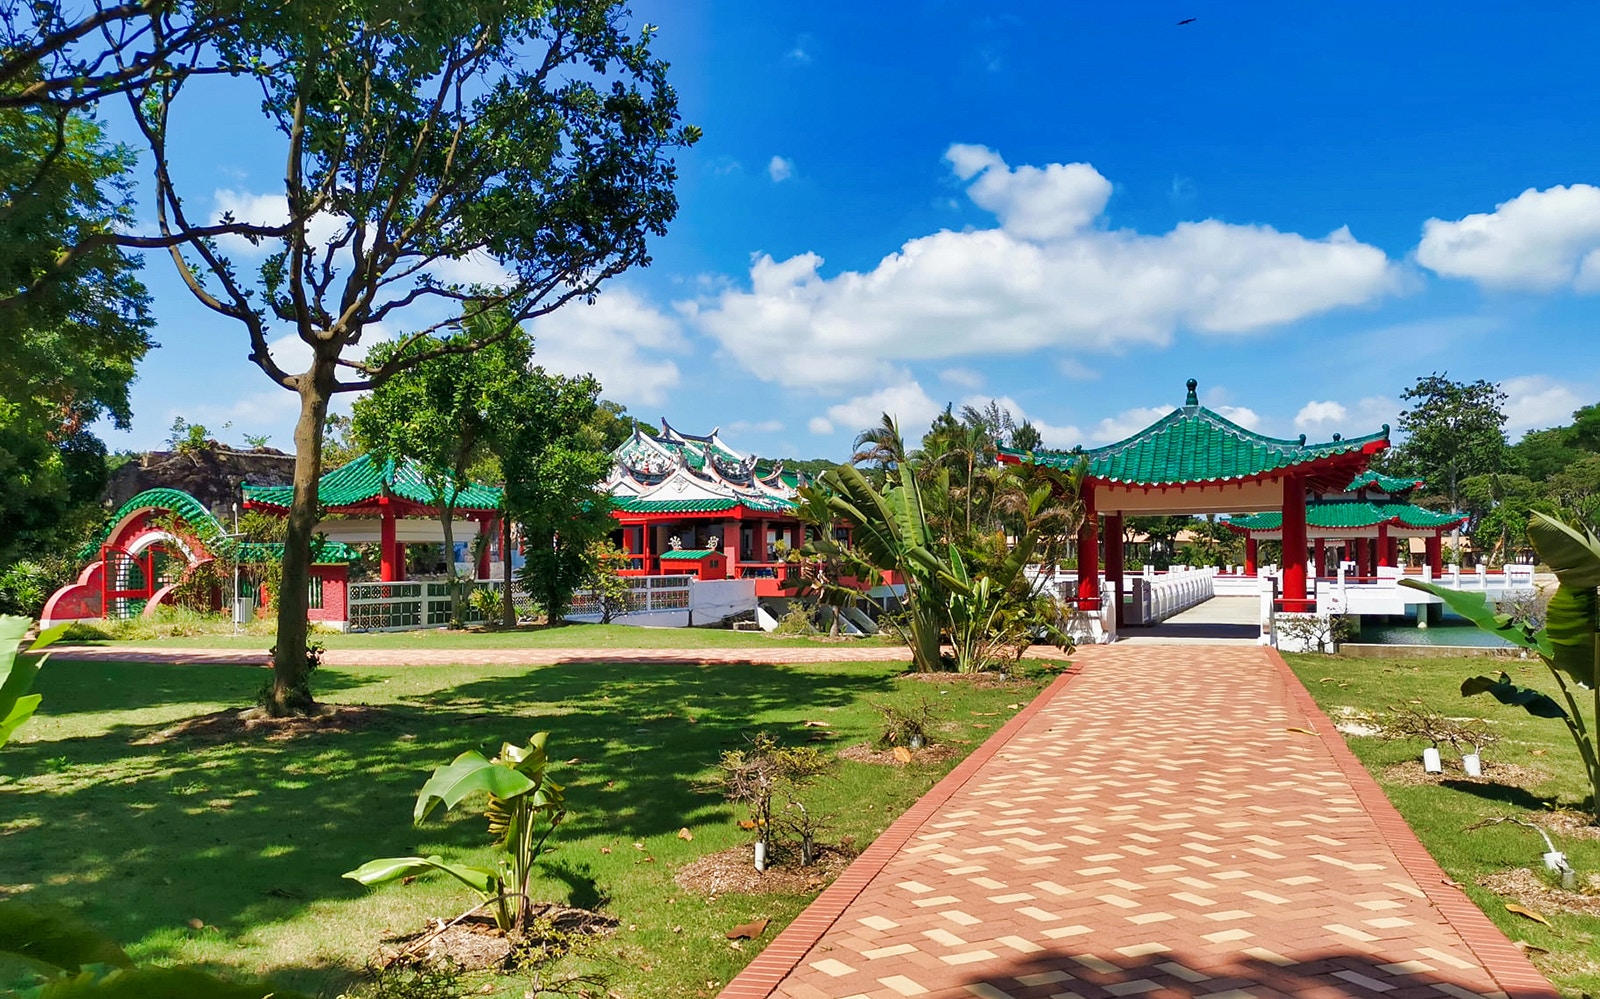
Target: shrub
{"points": [[767, 770], [908, 725]]}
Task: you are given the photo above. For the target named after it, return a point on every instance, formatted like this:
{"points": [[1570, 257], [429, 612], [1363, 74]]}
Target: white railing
{"points": [[666, 600], [417, 603], [1159, 597], [646, 595]]}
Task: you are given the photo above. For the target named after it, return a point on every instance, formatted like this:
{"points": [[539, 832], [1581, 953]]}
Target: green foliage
{"points": [[17, 673], [25, 586], [606, 581], [1453, 430], [524, 808], [1568, 644], [188, 438]]}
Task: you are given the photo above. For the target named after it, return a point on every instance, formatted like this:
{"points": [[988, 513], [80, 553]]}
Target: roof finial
{"points": [[1192, 400]]}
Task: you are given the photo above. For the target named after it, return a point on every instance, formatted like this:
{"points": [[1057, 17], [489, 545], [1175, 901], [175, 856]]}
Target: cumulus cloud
{"points": [[1537, 241], [268, 209], [905, 401], [1314, 415], [1537, 401], [621, 339], [780, 169], [819, 425], [1126, 423], [1242, 415], [1077, 370], [962, 377], [1049, 277]]}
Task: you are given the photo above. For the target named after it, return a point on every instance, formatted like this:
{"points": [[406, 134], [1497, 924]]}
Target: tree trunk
{"points": [[508, 607], [451, 585], [291, 681]]}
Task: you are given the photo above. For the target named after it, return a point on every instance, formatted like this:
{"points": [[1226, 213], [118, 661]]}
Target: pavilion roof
{"points": [[1348, 515], [642, 504], [686, 554], [1384, 483], [365, 479], [1196, 445]]}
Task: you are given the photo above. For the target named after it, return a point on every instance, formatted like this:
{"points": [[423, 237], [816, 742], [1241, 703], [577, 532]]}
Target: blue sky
{"points": [[1069, 207]]}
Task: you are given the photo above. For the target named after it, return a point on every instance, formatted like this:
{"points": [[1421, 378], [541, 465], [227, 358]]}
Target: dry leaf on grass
{"points": [[685, 834], [1526, 912], [748, 931], [1528, 948], [815, 724], [902, 754]]}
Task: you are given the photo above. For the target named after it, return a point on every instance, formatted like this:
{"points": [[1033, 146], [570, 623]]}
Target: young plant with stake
{"points": [[754, 777], [525, 806]]}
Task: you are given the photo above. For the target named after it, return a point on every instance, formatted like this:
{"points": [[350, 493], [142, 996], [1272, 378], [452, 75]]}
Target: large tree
{"points": [[1453, 431], [442, 162]]}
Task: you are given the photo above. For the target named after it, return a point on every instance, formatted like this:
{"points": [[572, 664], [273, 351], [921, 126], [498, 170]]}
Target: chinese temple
{"points": [[1195, 461], [390, 502], [1361, 523], [687, 504]]}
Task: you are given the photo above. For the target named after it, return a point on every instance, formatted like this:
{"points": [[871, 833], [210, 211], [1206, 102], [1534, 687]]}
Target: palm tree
{"points": [[882, 446]]}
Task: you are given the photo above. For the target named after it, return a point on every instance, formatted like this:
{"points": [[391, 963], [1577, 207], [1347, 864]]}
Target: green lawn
{"points": [[250, 836], [1440, 813], [582, 636]]}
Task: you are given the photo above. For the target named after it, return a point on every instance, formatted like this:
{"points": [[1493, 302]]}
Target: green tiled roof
{"points": [[1194, 444], [365, 479], [252, 552], [636, 504], [686, 554], [1387, 483], [1416, 516], [185, 507], [1347, 515]]}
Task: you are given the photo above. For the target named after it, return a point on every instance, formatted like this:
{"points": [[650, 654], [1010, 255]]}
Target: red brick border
{"points": [[762, 975], [1508, 966]]}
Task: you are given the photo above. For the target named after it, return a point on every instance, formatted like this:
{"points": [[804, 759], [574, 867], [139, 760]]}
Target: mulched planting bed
{"points": [[475, 943], [1411, 774], [733, 870], [225, 726], [863, 752], [1529, 889]]}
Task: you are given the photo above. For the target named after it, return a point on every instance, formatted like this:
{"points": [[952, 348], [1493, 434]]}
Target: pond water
{"points": [[1452, 630]]}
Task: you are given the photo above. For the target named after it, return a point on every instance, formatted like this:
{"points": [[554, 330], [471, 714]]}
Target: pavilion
{"points": [[687, 503], [396, 494], [1366, 520], [1195, 461]]}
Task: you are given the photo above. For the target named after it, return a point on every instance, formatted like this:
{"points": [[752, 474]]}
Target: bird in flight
{"points": [[1188, 20]]}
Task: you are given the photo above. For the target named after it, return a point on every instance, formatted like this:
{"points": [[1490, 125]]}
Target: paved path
{"points": [[1220, 620], [833, 652], [1169, 822]]}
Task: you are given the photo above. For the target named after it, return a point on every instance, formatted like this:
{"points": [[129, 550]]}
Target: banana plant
{"points": [[525, 807], [1568, 644], [17, 673]]}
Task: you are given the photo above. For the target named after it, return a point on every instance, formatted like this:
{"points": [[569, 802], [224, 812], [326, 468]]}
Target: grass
{"points": [[250, 836], [582, 636], [1440, 813]]}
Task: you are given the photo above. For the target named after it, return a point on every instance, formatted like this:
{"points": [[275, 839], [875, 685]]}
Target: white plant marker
{"points": [[761, 855], [1431, 761], [1472, 763]]}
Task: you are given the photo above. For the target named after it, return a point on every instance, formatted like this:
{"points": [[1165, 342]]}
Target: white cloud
{"points": [[1534, 402], [906, 402], [476, 268], [1054, 435], [621, 339], [819, 425], [1077, 370], [1127, 423], [1537, 241], [798, 55], [1047, 278], [780, 169], [1315, 414], [962, 377], [268, 209], [751, 426], [1241, 415]]}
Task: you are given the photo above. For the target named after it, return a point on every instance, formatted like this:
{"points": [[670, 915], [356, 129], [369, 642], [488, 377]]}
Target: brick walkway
{"points": [[1173, 821]]}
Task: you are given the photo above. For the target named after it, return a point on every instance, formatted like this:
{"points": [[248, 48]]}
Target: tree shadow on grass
{"points": [[139, 838], [1508, 794], [73, 686]]}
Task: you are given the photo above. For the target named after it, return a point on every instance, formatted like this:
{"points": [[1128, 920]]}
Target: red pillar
{"points": [[1435, 550], [483, 553], [1294, 545], [1385, 559], [1360, 557], [1089, 553], [645, 530], [1250, 553], [1322, 557], [1114, 562], [391, 553]]}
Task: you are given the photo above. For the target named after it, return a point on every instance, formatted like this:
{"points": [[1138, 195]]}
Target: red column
{"points": [[483, 553], [1114, 561], [1250, 556], [1385, 558], [1435, 550], [1294, 545], [645, 530], [1322, 557], [1360, 557], [392, 554], [1089, 553]]}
